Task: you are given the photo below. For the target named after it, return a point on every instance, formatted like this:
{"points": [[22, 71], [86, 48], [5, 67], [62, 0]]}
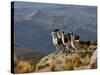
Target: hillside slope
{"points": [[59, 61]]}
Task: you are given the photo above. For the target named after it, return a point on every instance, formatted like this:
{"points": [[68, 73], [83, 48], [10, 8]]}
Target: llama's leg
{"points": [[58, 48], [70, 48], [64, 48], [75, 49], [67, 49]]}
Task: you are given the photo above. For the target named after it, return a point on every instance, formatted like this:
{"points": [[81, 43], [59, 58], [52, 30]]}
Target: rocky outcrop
{"points": [[59, 61]]}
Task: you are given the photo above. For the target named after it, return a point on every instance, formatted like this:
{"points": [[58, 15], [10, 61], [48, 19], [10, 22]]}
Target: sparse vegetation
{"points": [[94, 42], [58, 61], [24, 67], [52, 67], [71, 61], [67, 66], [78, 63], [65, 61], [42, 66], [86, 60], [75, 60]]}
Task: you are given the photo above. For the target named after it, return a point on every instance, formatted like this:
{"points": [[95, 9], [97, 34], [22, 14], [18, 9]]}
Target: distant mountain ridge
{"points": [[28, 54]]}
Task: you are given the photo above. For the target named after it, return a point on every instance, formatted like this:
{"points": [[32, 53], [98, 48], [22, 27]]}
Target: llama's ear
{"points": [[56, 30], [68, 34], [77, 37], [62, 31], [71, 33], [52, 33]]}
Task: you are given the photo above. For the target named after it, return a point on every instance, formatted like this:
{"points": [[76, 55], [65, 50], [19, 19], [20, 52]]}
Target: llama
{"points": [[77, 43], [58, 32], [84, 44], [56, 41], [66, 41], [74, 43]]}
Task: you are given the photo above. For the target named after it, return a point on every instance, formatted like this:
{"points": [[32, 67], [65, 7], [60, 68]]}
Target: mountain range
{"points": [[34, 22]]}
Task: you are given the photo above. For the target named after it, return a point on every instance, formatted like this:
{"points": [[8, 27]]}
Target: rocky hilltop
{"points": [[59, 61]]}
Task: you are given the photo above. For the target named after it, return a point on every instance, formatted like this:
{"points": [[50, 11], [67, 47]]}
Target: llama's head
{"points": [[77, 37], [69, 36], [72, 35], [52, 33], [62, 32], [56, 30]]}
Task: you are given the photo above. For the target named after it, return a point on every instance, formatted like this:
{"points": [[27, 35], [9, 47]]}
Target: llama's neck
{"points": [[62, 38], [59, 35], [72, 39], [54, 37]]}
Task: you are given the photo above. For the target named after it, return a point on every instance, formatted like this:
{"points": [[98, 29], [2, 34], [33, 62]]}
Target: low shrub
{"points": [[52, 66], [24, 67]]}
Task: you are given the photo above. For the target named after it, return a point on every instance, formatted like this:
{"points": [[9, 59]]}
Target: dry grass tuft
{"points": [[52, 67], [58, 61], [67, 66], [86, 60], [72, 61], [23, 67], [39, 67]]}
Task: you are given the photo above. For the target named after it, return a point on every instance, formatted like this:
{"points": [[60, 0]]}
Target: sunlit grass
{"points": [[52, 66], [39, 67], [70, 61], [24, 67]]}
